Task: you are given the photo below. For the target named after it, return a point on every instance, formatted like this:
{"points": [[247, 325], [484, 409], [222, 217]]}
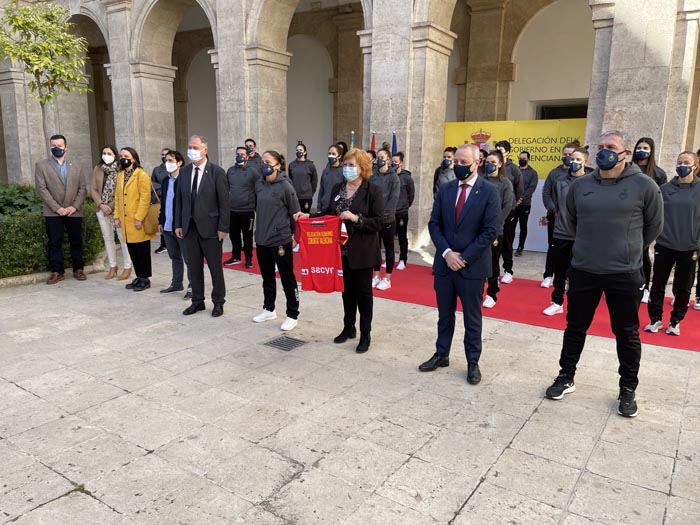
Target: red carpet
{"points": [[523, 302]]}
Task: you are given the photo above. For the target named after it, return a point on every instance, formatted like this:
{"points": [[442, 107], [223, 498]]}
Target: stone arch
{"points": [[520, 14], [438, 12]]}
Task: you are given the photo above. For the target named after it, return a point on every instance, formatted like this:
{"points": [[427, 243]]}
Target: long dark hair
{"points": [[113, 149], [651, 164], [134, 155], [501, 174]]}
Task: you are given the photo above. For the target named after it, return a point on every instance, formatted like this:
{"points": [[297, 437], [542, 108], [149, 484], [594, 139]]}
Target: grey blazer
{"points": [[49, 185], [211, 213]]}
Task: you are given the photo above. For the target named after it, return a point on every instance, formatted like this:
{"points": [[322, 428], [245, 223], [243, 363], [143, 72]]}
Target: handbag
{"points": [[150, 223]]}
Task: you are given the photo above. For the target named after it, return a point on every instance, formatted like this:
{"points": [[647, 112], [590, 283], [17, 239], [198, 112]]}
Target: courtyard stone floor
{"points": [[115, 408]]}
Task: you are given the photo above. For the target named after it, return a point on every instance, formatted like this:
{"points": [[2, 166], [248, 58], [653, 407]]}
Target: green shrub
{"points": [[23, 241]]}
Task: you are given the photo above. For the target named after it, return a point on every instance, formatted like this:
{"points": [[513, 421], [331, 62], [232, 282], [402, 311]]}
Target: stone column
{"points": [[348, 86], [603, 18], [267, 73], [488, 79], [432, 46], [366, 47], [18, 127]]}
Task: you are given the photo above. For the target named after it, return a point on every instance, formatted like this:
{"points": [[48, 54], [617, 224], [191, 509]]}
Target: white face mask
{"points": [[171, 166], [194, 155], [108, 159]]}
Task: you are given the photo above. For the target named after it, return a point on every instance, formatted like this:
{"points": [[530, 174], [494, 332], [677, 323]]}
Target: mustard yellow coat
{"points": [[131, 203]]}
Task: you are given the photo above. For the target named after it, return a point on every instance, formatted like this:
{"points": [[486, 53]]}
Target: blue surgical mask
{"points": [[57, 152], [462, 172], [394, 165], [491, 168], [606, 159], [350, 173], [266, 169], [331, 160], [446, 163], [240, 159], [683, 171], [575, 166], [642, 154], [249, 149], [300, 154], [566, 160], [381, 163]]}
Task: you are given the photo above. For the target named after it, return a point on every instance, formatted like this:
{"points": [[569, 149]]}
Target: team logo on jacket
{"points": [[304, 271]]}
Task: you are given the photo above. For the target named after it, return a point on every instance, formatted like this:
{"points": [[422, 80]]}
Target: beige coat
{"points": [[131, 204], [49, 185], [98, 179]]}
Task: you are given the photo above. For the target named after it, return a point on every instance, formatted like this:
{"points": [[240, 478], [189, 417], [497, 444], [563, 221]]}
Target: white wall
{"points": [[452, 88], [553, 58], [201, 103], [309, 104]]}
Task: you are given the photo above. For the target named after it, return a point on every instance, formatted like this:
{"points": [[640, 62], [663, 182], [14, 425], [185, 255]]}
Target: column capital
{"points": [[689, 8], [153, 71], [486, 5], [603, 13], [433, 36], [14, 75], [116, 6], [266, 56], [365, 41], [214, 57], [349, 22]]}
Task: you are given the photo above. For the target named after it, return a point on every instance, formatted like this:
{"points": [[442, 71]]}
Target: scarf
{"points": [[110, 181]]}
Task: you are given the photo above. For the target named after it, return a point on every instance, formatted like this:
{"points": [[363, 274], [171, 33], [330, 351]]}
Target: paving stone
{"points": [[84, 395], [26, 415], [428, 489], [533, 477], [651, 437], [30, 487], [689, 446], [574, 519], [11, 395], [135, 377], [316, 497], [216, 372], [210, 405], [106, 363], [56, 436], [682, 512], [290, 367], [611, 501], [254, 421], [75, 508], [551, 441], [27, 367], [343, 415], [260, 516], [304, 441], [686, 475], [181, 361], [428, 407], [173, 391], [621, 462], [54, 382], [377, 509], [398, 432]]}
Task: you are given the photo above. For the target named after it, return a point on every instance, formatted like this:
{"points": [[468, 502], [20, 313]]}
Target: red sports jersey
{"points": [[321, 263]]}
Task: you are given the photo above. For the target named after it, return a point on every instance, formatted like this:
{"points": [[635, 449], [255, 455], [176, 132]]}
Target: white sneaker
{"points": [[654, 327], [553, 309], [507, 278], [384, 284], [489, 302], [645, 297], [296, 249], [674, 329], [401, 265], [383, 264], [375, 281], [696, 306], [288, 324], [265, 315], [546, 283]]}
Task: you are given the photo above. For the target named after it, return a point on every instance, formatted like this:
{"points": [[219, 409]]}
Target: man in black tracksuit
{"points": [[157, 177], [516, 179], [254, 158], [522, 212], [241, 181], [387, 179], [407, 192], [614, 212]]}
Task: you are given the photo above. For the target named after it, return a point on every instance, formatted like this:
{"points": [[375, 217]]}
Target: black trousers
{"points": [[646, 266], [402, 235], [561, 254], [140, 253], [386, 237], [522, 213], [664, 261], [197, 248], [305, 205], [493, 288], [55, 227], [268, 256], [549, 262], [623, 293], [242, 223], [357, 296], [508, 239]]}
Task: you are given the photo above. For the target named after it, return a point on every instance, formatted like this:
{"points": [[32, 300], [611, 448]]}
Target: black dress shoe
{"points": [[194, 308], [144, 284], [434, 362], [347, 333], [133, 283], [218, 310], [473, 374], [363, 345]]}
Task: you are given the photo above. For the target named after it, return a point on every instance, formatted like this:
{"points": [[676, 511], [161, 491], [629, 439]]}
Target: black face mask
{"points": [[124, 163], [522, 162], [462, 172]]}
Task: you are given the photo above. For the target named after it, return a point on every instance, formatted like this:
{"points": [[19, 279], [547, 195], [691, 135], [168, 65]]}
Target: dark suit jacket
{"points": [[164, 185], [211, 213], [55, 195], [363, 238], [473, 233]]}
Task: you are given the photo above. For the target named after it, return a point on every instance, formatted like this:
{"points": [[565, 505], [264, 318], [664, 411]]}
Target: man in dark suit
{"points": [[202, 219], [463, 225], [61, 185]]}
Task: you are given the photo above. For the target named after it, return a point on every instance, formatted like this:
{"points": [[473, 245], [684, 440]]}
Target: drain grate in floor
{"points": [[285, 343]]}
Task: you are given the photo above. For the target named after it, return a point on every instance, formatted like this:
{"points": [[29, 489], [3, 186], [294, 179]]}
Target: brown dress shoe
{"points": [[112, 273], [79, 275], [126, 273], [55, 278]]}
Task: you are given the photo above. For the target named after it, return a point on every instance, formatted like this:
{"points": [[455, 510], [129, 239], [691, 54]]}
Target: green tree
{"points": [[39, 36]]}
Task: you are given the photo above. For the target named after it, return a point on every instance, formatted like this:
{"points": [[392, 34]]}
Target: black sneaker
{"points": [[161, 249], [248, 262], [627, 406], [232, 260], [562, 385]]}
